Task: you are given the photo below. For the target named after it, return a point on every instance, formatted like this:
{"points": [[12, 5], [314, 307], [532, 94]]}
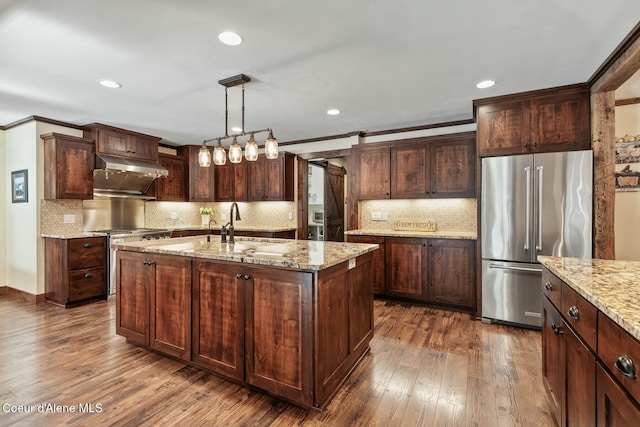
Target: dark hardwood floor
{"points": [[426, 367]]}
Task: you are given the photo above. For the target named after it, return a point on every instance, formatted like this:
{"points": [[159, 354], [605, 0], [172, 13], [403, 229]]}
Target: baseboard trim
{"points": [[22, 295]]}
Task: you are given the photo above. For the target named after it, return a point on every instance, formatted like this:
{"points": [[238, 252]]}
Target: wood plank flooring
{"points": [[426, 367]]}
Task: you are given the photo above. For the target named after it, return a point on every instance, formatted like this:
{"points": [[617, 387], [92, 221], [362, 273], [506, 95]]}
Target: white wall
{"points": [[4, 191], [627, 207]]}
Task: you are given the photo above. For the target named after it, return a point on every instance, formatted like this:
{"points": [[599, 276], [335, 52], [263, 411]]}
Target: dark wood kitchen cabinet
{"points": [[75, 270], [451, 272], [378, 261], [121, 142], [406, 268], [231, 182], [218, 318], [556, 119], [271, 179], [372, 173], [200, 180], [174, 187], [68, 167], [553, 359], [153, 301]]}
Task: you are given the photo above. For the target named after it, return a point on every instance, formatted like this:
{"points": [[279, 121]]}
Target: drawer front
{"points": [[619, 352], [580, 315], [85, 253], [87, 283], [551, 288]]}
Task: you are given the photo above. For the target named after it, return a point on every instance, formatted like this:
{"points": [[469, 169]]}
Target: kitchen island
{"points": [[591, 340], [289, 317]]}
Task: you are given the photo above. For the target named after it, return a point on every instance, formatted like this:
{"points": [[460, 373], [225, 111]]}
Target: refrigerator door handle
{"points": [[527, 215], [508, 267], [540, 180]]}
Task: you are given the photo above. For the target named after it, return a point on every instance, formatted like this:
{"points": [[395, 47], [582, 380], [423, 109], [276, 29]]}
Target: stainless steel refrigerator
{"points": [[533, 204]]}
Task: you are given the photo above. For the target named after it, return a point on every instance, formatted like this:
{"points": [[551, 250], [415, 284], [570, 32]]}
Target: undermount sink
{"points": [[258, 248]]}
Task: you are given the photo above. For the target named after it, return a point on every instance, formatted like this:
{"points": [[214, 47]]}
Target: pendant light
{"points": [[235, 151]]}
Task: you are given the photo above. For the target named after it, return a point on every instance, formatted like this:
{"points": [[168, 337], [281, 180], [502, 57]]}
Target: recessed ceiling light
{"points": [[109, 83], [485, 84], [236, 129], [333, 111], [230, 38]]}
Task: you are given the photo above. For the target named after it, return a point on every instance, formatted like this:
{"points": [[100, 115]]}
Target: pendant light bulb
{"points": [[219, 154], [235, 151], [251, 150], [204, 156], [271, 146]]}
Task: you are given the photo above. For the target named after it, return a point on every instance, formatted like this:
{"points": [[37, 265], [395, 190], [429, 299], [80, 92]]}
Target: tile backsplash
{"points": [[449, 214], [52, 216]]}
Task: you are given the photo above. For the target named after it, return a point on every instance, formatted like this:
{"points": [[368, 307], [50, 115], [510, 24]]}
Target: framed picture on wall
{"points": [[20, 186]]}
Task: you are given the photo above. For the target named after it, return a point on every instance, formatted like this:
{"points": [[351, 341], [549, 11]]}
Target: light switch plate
{"points": [[376, 216], [69, 219]]}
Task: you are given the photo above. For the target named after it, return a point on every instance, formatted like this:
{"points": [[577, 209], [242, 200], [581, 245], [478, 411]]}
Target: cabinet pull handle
{"points": [[239, 276], [148, 262], [624, 364], [548, 286], [88, 275], [246, 277], [556, 329], [574, 313], [88, 245]]}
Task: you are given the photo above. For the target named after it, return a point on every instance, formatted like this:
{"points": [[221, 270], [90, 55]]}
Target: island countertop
{"points": [[612, 286], [287, 253], [466, 235]]}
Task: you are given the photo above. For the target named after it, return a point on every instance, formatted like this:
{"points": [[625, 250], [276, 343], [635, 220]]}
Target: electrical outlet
{"points": [[290, 215], [376, 216], [69, 219], [174, 215], [385, 216]]}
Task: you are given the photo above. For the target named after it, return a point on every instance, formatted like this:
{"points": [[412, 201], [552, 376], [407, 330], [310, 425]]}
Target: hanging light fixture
{"points": [[235, 151]]}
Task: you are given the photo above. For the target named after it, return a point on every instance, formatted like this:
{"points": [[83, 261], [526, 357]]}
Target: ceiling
{"points": [[384, 64]]}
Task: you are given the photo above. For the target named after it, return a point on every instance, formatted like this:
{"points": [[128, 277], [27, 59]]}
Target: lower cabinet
{"points": [[406, 268], [451, 272], [615, 407]]}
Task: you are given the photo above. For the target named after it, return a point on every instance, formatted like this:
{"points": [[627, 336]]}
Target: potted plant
{"points": [[205, 213]]}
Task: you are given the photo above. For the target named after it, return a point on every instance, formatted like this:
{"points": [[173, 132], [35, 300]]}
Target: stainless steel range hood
{"points": [[122, 177]]}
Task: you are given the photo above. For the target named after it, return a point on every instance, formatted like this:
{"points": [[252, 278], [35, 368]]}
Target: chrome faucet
{"points": [[233, 205]]}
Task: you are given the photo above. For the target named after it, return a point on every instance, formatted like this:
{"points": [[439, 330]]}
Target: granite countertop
{"points": [[78, 235], [287, 253], [467, 235], [612, 286], [236, 227]]}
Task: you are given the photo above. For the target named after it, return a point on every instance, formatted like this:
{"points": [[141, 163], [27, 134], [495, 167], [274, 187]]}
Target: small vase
{"points": [[205, 220]]}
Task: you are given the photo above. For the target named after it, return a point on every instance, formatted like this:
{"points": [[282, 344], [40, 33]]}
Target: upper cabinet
{"points": [[174, 186], [68, 167], [271, 180], [121, 142], [231, 182], [431, 167], [200, 181], [548, 120]]}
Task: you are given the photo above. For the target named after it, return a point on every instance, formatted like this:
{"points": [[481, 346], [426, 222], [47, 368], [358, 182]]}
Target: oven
{"points": [[127, 236]]}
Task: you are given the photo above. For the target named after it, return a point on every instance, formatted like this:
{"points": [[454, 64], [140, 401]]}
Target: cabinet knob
{"points": [[239, 276], [548, 286], [556, 329], [573, 312], [246, 277], [88, 245], [88, 275], [624, 364], [526, 145]]}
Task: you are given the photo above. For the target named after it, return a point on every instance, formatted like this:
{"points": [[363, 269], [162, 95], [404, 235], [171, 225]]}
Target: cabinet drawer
{"points": [[85, 253], [551, 288], [580, 315], [87, 283], [618, 348]]}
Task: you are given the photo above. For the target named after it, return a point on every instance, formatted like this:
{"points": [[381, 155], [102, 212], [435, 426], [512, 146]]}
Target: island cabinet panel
{"points": [[360, 305], [580, 380], [614, 407], [372, 172], [553, 359], [279, 331], [218, 318], [451, 267], [170, 305], [132, 297], [68, 167], [377, 263], [406, 267]]}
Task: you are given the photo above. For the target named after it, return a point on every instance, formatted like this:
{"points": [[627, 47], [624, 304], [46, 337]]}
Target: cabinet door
{"points": [[223, 182], [372, 169], [561, 122], [279, 332], [240, 182], [614, 406], [132, 297], [68, 167], [553, 359], [174, 186], [112, 142], [274, 185], [143, 148], [580, 382], [170, 304], [452, 278], [406, 268], [410, 174], [453, 169], [218, 318], [503, 128], [201, 181], [378, 262], [257, 171]]}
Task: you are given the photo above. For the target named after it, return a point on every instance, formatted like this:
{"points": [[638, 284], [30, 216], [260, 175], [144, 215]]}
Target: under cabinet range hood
{"points": [[122, 177]]}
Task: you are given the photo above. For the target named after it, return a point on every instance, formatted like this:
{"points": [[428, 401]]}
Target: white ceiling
{"points": [[384, 64]]}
